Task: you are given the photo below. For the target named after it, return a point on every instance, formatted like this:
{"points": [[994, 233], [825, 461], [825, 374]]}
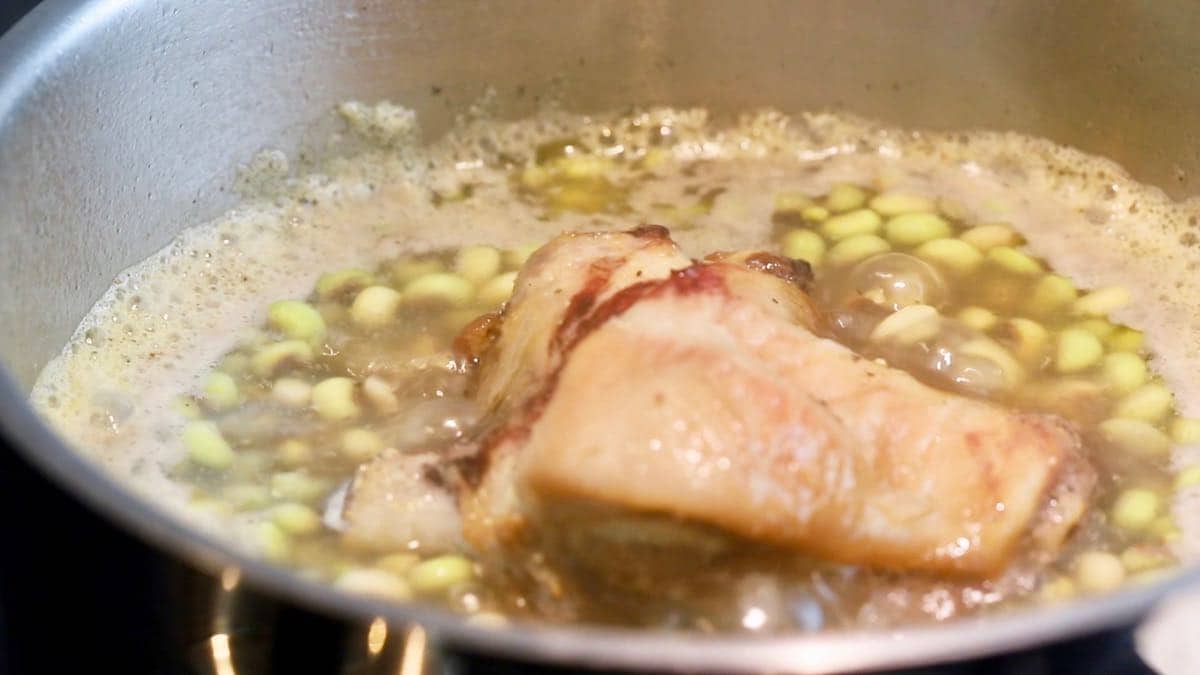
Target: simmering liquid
{"points": [[242, 376]]}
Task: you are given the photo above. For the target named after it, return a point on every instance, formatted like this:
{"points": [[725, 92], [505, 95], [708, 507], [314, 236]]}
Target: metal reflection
{"points": [[221, 658], [413, 661], [376, 637]]}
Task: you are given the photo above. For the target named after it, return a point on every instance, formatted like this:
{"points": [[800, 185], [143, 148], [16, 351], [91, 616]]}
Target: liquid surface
{"points": [[171, 381]]}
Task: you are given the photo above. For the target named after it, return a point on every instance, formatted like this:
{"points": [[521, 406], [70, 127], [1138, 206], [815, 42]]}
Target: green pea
{"points": [[1136, 508], [1124, 371], [854, 249], [360, 445], [273, 542], [296, 519], [477, 264], [815, 214], [220, 392], [953, 254], [333, 399], [1078, 350], [846, 225], [978, 318], [1187, 478], [297, 486], [342, 284], [437, 575], [845, 197], [1098, 571], [449, 289], [912, 229], [1135, 437], [279, 355], [297, 320], [908, 325], [1014, 261], [1149, 403], [375, 306], [987, 237], [497, 290], [1051, 294], [801, 244], [1102, 302], [206, 446]]}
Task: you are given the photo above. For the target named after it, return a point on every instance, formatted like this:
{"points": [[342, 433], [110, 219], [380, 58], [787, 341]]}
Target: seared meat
{"points": [[623, 375]]}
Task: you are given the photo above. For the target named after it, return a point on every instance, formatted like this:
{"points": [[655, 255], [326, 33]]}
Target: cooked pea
{"points": [[514, 258], [815, 214], [1136, 508], [292, 392], [497, 291], [987, 237], [343, 284], [448, 289], [294, 452], [272, 541], [1150, 402], [1187, 478], [1098, 571], [1102, 302], [359, 445], [854, 223], [1124, 371], [953, 254], [437, 575], [1051, 294], [1135, 437], [896, 203], [845, 197], [280, 355], [297, 486], [206, 446], [1029, 339], [1186, 430], [375, 306], [297, 320], [1126, 340], [801, 244], [908, 325], [374, 582], [856, 248], [1077, 350], [296, 519], [986, 348], [380, 395], [333, 399], [912, 229], [1014, 261], [977, 318], [477, 264], [220, 392]]}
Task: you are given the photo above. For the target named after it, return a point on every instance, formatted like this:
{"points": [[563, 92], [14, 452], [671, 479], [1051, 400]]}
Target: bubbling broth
{"points": [[339, 340]]}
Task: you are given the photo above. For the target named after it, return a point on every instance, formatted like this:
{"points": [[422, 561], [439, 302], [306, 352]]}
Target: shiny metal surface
{"points": [[121, 122]]}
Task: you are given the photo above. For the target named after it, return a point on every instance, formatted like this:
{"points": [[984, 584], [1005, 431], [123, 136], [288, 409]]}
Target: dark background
{"points": [[77, 595]]}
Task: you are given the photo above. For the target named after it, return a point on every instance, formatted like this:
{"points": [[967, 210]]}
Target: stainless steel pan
{"points": [[121, 122]]}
